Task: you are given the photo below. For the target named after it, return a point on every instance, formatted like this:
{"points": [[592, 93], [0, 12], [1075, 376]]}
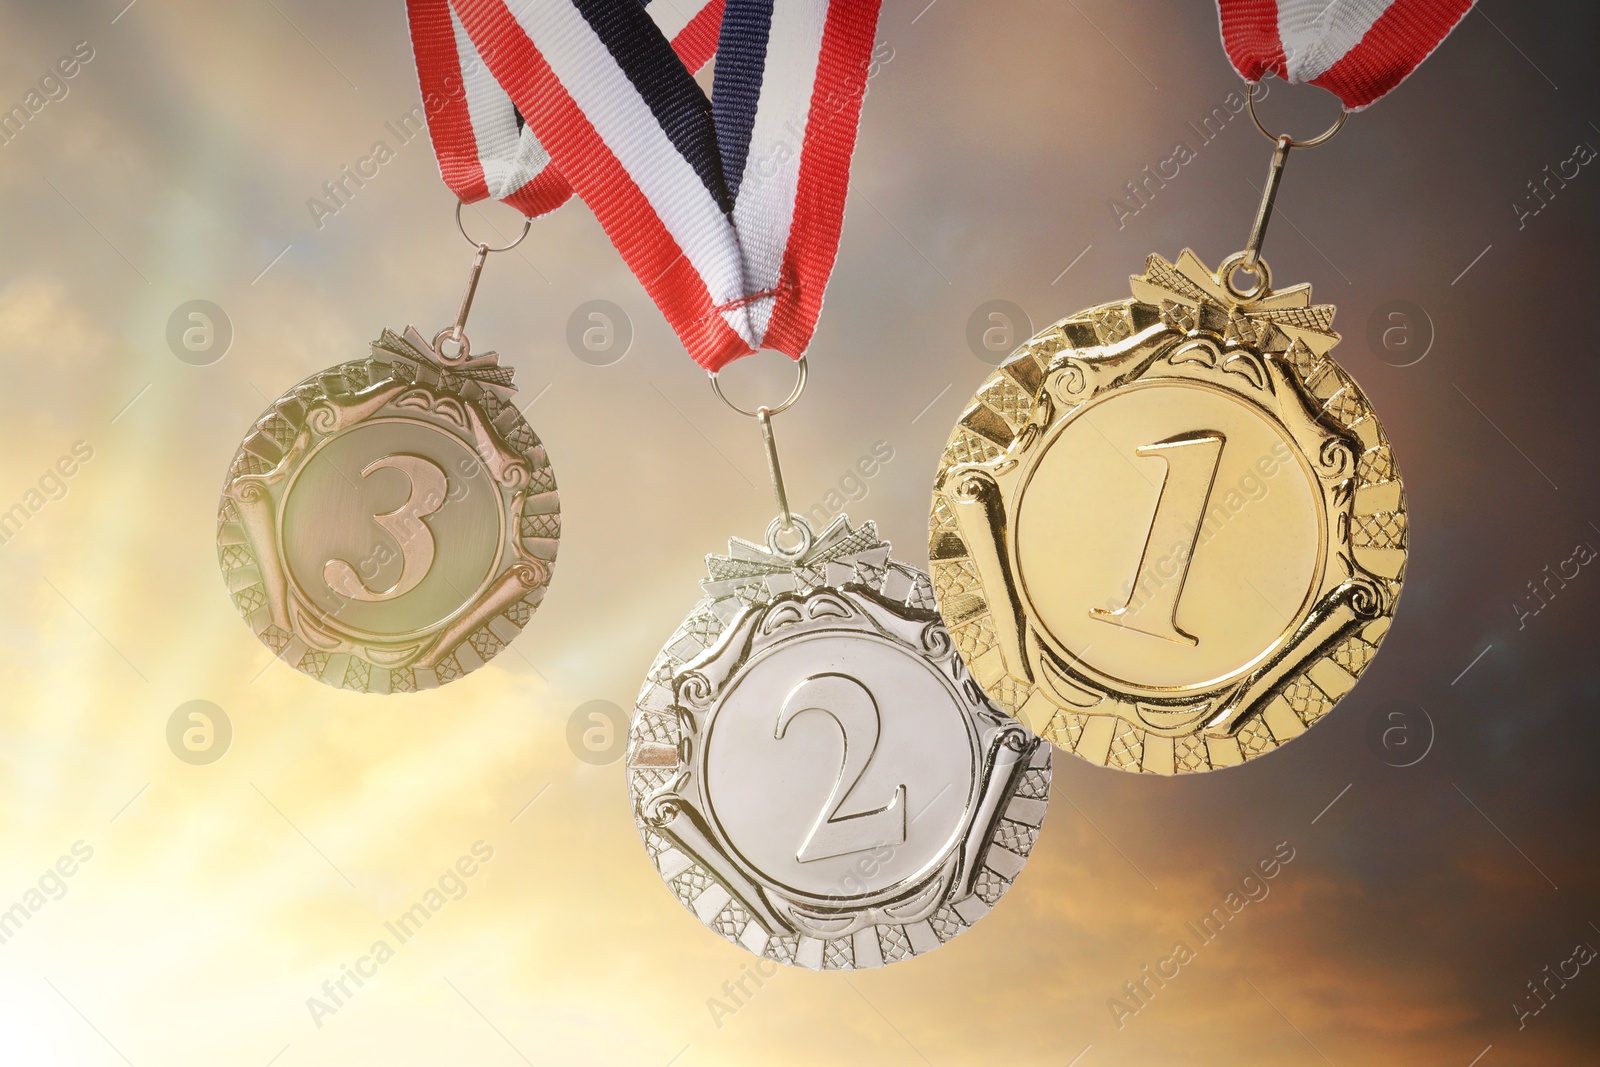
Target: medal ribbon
{"points": [[728, 210], [484, 148], [1356, 49]]}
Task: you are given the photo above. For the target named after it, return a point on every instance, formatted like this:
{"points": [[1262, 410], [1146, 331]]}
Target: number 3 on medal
{"points": [[405, 524], [851, 706]]}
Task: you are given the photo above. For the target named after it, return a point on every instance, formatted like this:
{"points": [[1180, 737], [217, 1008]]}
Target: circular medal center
{"points": [[840, 765], [1170, 536], [391, 527]]}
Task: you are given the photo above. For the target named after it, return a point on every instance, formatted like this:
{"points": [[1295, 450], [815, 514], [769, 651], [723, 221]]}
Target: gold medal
{"points": [[1169, 534]]}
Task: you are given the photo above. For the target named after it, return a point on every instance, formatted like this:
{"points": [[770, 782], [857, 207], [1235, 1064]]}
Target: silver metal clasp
{"points": [[457, 331]]}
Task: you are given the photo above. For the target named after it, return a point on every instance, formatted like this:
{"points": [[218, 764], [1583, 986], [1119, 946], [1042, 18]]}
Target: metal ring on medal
{"points": [[1169, 534], [390, 523], [813, 771]]}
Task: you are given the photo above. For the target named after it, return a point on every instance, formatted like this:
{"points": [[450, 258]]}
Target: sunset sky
{"points": [[207, 904]]}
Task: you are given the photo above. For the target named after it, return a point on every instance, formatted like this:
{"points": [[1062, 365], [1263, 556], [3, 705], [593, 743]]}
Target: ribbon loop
{"points": [[727, 209], [485, 150], [1356, 49]]}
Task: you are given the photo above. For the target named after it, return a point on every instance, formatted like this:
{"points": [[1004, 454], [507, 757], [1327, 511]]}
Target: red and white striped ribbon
{"points": [[1356, 49], [484, 149]]}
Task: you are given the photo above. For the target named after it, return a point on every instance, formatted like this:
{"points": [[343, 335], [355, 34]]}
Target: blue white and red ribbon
{"points": [[1356, 49], [485, 151], [729, 209]]}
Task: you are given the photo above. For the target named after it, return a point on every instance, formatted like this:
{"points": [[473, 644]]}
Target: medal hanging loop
{"points": [[788, 402], [1321, 138], [457, 331], [1249, 261], [764, 417], [1269, 194], [787, 523]]}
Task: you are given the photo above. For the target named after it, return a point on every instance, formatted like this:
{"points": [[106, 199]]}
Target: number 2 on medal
{"points": [[405, 524], [1152, 607], [852, 707]]}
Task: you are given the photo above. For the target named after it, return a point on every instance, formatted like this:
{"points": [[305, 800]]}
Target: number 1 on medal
{"points": [[1192, 462]]}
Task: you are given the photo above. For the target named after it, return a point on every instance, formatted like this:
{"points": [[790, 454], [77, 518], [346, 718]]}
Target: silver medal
{"points": [[813, 771]]}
